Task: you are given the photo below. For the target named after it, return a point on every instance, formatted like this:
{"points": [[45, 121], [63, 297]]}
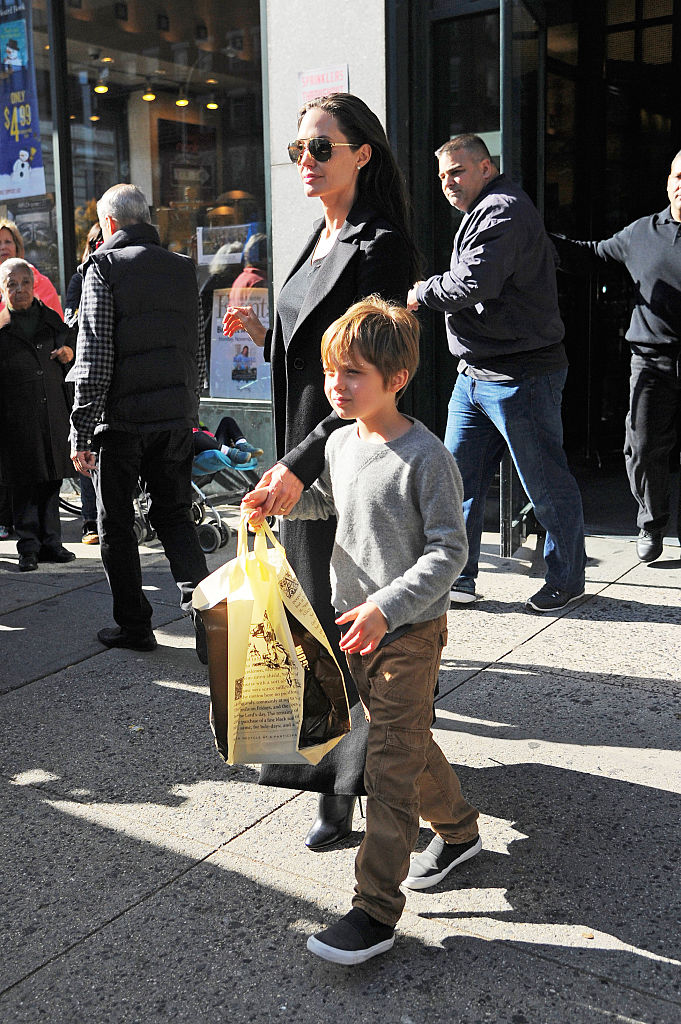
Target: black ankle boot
{"points": [[333, 822]]}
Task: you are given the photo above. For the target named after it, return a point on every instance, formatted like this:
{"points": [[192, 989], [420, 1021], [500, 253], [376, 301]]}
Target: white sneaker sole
{"points": [[347, 957], [425, 882]]}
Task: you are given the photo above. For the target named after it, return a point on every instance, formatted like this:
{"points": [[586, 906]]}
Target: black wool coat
{"points": [[370, 256], [34, 403]]}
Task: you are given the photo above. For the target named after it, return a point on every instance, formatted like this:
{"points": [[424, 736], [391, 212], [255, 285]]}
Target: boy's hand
{"points": [[367, 630], [283, 490], [253, 503]]}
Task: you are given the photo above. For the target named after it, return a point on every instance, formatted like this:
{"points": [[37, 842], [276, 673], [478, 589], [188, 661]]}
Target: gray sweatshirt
{"points": [[400, 539]]}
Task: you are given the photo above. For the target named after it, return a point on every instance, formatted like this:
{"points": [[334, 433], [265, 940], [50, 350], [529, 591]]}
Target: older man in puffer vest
{"points": [[139, 370]]}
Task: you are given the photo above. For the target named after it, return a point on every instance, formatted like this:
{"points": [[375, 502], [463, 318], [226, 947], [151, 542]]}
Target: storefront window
{"points": [[167, 96], [170, 98]]}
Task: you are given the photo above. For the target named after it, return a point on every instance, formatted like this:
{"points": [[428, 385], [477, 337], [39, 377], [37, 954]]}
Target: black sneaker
{"points": [[352, 940], [117, 637], [649, 546], [60, 555], [463, 591], [28, 563], [437, 860], [552, 599]]}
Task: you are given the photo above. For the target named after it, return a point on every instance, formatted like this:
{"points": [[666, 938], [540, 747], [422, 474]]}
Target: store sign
{"points": [[322, 81], [21, 160]]}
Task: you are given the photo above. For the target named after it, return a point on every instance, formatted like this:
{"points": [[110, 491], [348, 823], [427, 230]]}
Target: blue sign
{"points": [[21, 159]]}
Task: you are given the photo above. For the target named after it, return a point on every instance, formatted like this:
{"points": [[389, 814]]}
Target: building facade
{"points": [[196, 103]]}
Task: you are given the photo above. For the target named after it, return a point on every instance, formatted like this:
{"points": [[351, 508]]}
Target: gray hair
{"points": [[15, 263], [126, 204], [473, 144]]}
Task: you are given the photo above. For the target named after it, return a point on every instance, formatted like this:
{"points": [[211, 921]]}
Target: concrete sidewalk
{"points": [[144, 880]]}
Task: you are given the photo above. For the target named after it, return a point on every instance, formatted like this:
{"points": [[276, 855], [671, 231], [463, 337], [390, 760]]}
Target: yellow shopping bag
{"points": [[277, 693]]}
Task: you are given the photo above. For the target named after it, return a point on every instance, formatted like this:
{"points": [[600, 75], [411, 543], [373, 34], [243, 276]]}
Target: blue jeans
{"points": [[485, 417], [88, 499]]}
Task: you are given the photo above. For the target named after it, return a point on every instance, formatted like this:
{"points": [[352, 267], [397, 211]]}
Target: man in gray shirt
{"points": [[500, 302], [650, 250]]}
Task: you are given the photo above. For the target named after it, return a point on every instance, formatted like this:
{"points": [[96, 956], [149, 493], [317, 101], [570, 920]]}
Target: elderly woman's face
{"points": [[8, 247], [17, 289]]}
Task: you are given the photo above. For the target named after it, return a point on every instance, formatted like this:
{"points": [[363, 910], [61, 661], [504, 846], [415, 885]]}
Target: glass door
{"points": [[523, 62]]}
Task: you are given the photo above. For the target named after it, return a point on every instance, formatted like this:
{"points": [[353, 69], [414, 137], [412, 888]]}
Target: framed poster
{"points": [[210, 240], [237, 367]]}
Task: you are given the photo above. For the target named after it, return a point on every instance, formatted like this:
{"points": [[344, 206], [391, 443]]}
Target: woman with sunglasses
{"points": [[361, 246]]}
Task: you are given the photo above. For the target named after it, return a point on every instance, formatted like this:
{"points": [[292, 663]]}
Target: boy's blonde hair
{"points": [[382, 333]]}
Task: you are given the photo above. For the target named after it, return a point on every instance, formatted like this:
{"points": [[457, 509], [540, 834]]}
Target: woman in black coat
{"points": [[361, 246], [34, 415]]}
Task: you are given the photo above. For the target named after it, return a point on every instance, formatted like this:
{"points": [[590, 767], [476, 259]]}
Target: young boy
{"points": [[400, 544]]}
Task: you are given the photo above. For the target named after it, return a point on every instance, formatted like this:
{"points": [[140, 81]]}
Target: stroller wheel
{"points": [[210, 537], [225, 533], [140, 528], [198, 512]]}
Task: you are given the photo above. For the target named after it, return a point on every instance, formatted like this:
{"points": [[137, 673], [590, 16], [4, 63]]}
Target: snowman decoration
{"points": [[22, 167]]}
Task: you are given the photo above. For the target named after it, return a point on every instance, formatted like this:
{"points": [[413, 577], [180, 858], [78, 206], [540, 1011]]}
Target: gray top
{"points": [[293, 294], [400, 539], [499, 296]]}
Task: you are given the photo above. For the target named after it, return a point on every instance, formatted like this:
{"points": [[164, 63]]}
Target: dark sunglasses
{"points": [[319, 149]]}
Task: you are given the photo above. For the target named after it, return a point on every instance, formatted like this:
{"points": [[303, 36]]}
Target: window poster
{"points": [[21, 160], [237, 367]]}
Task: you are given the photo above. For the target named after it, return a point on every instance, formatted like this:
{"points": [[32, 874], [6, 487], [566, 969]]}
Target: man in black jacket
{"points": [[139, 370], [650, 250], [500, 302], [35, 346]]}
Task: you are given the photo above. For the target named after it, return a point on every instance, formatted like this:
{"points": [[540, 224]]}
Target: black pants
{"points": [[6, 514], [36, 516], [652, 434], [227, 433], [163, 460]]}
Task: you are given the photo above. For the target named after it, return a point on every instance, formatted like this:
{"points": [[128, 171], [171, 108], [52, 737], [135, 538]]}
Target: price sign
{"points": [[21, 163]]}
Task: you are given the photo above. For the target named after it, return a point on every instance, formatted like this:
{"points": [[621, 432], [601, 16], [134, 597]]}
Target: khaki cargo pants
{"points": [[406, 776]]}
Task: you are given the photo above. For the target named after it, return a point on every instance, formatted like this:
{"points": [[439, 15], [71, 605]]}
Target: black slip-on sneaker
{"points": [[352, 940]]}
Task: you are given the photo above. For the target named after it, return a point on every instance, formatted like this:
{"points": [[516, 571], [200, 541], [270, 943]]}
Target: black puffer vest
{"points": [[156, 305]]}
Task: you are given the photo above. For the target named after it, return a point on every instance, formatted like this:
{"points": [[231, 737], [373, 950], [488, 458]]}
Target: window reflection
{"points": [[172, 102]]}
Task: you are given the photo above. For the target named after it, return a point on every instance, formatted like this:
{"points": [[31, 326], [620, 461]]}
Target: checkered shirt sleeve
{"points": [[93, 369], [201, 354]]}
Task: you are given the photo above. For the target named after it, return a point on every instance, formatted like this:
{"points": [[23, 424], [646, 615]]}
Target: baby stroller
{"points": [[214, 472], [70, 501]]}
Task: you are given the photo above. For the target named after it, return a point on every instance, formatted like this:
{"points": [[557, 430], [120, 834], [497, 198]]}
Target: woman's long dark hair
{"points": [[380, 182]]}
